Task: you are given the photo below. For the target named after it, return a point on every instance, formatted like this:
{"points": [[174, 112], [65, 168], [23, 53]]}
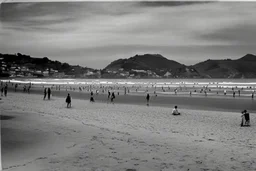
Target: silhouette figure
{"points": [[91, 99], [68, 101], [2, 91], [147, 99], [49, 93], [245, 118], [5, 90], [113, 97], [45, 93]]}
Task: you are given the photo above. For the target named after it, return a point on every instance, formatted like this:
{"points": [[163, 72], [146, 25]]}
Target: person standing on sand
{"points": [[245, 118], [16, 86], [49, 93], [225, 92], [68, 101], [45, 93], [109, 94], [5, 90], [2, 91], [91, 99], [147, 99], [112, 97], [175, 111], [29, 89]]}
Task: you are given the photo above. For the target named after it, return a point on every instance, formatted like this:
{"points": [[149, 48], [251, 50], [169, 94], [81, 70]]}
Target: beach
{"points": [[44, 135]]}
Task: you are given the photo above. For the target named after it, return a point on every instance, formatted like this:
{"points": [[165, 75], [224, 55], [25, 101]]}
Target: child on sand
{"points": [[68, 101], [175, 111]]}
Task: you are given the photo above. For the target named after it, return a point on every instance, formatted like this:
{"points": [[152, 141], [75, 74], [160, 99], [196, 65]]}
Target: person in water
{"points": [[68, 101]]}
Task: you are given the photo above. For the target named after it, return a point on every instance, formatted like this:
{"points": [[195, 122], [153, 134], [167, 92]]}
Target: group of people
{"points": [[47, 91], [111, 96]]}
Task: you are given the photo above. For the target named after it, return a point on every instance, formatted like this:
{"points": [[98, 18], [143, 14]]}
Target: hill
{"points": [[138, 66], [244, 67], [149, 65], [25, 65]]}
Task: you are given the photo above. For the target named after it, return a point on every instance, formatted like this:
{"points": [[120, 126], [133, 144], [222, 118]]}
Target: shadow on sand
{"points": [[5, 117]]}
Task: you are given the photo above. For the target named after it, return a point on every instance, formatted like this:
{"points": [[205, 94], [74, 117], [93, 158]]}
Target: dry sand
{"points": [[40, 135]]}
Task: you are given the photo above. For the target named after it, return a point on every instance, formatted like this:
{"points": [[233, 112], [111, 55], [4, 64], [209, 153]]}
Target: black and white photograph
{"points": [[127, 85]]}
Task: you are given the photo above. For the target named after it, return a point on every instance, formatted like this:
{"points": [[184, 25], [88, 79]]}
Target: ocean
{"points": [[225, 83]]}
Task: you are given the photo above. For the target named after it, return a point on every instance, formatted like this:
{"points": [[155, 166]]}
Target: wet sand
{"points": [[182, 99]]}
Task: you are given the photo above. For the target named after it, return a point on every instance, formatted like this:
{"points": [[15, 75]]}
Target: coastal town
{"points": [[24, 67]]}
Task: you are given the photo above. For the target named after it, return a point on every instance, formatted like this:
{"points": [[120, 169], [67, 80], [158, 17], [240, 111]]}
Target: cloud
{"points": [[111, 30]]}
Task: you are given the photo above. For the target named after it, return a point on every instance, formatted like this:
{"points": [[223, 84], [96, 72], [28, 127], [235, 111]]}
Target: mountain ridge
{"points": [[145, 66]]}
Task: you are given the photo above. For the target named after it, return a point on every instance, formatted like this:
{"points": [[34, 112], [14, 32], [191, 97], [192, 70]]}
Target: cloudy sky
{"points": [[94, 34]]}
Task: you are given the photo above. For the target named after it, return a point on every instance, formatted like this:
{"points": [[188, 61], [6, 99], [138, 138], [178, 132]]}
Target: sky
{"points": [[94, 34]]}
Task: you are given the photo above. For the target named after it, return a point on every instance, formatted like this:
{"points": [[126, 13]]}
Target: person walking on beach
{"points": [[45, 93], [29, 89], [68, 101], [2, 91], [91, 98], [109, 94], [175, 111], [49, 93], [112, 97], [16, 86], [245, 118], [5, 90], [147, 99]]}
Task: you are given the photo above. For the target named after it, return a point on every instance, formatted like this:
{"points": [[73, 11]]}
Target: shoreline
{"points": [[216, 103]]}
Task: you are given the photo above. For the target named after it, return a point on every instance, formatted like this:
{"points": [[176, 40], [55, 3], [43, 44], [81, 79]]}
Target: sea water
{"points": [[225, 83]]}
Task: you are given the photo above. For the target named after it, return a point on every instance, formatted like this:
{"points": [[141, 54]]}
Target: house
{"points": [[167, 74]]}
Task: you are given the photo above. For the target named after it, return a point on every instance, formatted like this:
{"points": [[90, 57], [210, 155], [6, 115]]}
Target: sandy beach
{"points": [[40, 135]]}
